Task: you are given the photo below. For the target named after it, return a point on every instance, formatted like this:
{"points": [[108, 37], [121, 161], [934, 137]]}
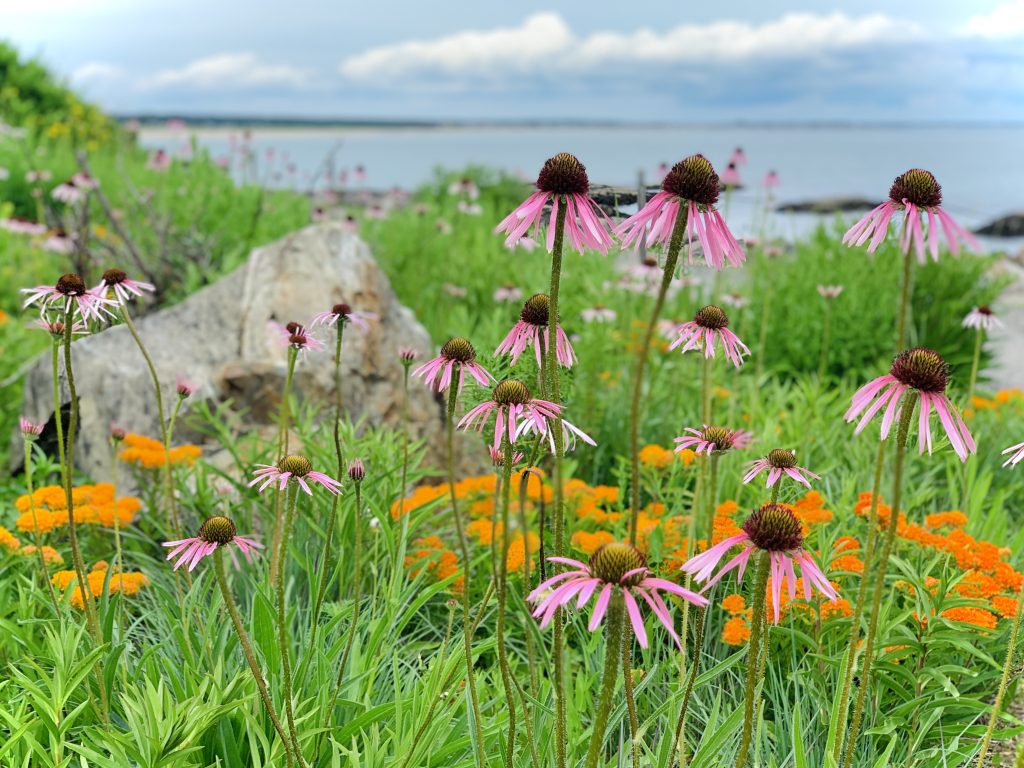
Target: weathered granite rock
{"points": [[828, 205], [221, 339], [1010, 225]]}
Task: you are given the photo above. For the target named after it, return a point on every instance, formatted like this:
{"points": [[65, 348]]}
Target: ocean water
{"points": [[981, 169]]}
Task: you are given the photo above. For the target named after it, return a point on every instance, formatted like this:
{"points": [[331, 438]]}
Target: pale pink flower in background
{"points": [[464, 186], [22, 227], [713, 440], [690, 189], [918, 195], [598, 314], [59, 242], [829, 291], [533, 329], [124, 288], [735, 300], [468, 208], [443, 227], [773, 528], [360, 174], [68, 192], [770, 181], [738, 157], [84, 181], [296, 468], [1017, 456], [457, 357], [350, 224], [613, 568], [982, 319], [924, 371], [661, 171], [158, 161], [69, 290], [516, 413], [778, 463], [508, 293], [375, 212], [56, 327], [33, 177], [344, 313], [176, 124], [710, 326], [498, 457], [317, 215], [215, 532], [562, 181], [731, 176], [295, 335], [455, 291]]}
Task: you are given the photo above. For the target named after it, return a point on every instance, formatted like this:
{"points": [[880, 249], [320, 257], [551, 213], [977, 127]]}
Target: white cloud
{"points": [[1004, 21], [227, 70], [545, 43], [96, 71]]}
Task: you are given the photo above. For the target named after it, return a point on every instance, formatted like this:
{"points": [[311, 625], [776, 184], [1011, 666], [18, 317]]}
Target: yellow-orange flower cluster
{"points": [[430, 554], [659, 457], [1004, 397], [147, 453], [125, 583], [46, 509], [12, 543]]}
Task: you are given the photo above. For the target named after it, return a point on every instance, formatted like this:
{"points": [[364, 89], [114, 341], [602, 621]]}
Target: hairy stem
{"points": [[612, 653], [506, 673], [688, 691], [291, 501], [753, 655]]}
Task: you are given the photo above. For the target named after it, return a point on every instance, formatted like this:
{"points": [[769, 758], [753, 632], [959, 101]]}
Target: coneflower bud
{"points": [[782, 458], [610, 562], [916, 186], [923, 369], [459, 350], [693, 178], [711, 317], [563, 174], [536, 310], [71, 285], [29, 429], [511, 392], [184, 388], [297, 465], [407, 355], [117, 434], [774, 528], [356, 470], [217, 530]]}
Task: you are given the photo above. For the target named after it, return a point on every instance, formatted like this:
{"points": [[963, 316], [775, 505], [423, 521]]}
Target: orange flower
{"points": [[727, 508], [736, 631], [515, 559], [953, 519], [8, 540], [127, 583], [148, 453], [1005, 606], [840, 608], [50, 555], [430, 554], [686, 456], [656, 456], [589, 542], [734, 604], [979, 617]]}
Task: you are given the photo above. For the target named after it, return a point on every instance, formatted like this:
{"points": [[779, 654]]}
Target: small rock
{"points": [[1010, 225], [828, 205]]}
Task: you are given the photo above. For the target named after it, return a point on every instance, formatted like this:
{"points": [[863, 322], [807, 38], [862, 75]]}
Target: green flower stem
{"points": [[878, 578], [975, 362], [66, 453], [1003, 681], [291, 501], [467, 634], [901, 321], [614, 620], [775, 491], [36, 541], [627, 684], [705, 391], [711, 496], [506, 673], [826, 332], [428, 716], [691, 678], [858, 607], [671, 259], [282, 451], [524, 527], [558, 635], [753, 655], [250, 654]]}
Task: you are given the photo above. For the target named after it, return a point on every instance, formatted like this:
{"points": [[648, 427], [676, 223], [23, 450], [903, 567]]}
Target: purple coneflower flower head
{"points": [[29, 429], [56, 327], [158, 161], [216, 531], [498, 457], [516, 413], [829, 291], [292, 467], [464, 186], [22, 227], [738, 157], [771, 180], [1016, 453], [919, 196], [343, 313], [356, 471], [59, 241], [124, 288], [471, 209], [731, 176], [68, 192], [296, 336], [616, 571], [457, 357], [779, 462], [69, 291], [925, 372], [508, 293], [184, 387], [735, 300], [710, 325], [713, 439], [689, 189], [773, 528], [534, 328], [443, 227], [598, 314], [562, 181], [982, 318]]}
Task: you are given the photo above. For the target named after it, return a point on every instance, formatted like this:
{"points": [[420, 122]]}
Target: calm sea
{"points": [[981, 169]]}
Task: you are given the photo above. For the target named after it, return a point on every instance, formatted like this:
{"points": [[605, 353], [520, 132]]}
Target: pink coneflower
{"points": [[69, 290], [518, 413], [84, 181], [829, 291], [56, 327], [777, 463], [534, 328], [350, 224], [443, 227], [661, 171], [22, 227], [34, 177], [773, 528], [124, 288], [292, 467], [614, 567], [924, 371], [598, 314], [498, 457], [1017, 456], [68, 192], [184, 387], [296, 336], [713, 439], [918, 195], [455, 291], [59, 242], [356, 471], [317, 215], [344, 314], [731, 176], [690, 188], [468, 208], [771, 180], [360, 173], [158, 161], [982, 319], [407, 355], [457, 356], [709, 325], [738, 157], [735, 300], [464, 186], [562, 181], [29, 429], [216, 531], [508, 293]]}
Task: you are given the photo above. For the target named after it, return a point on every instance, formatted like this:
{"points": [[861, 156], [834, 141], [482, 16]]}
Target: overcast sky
{"points": [[663, 60]]}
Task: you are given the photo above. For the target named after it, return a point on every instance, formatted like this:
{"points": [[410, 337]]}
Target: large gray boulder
{"points": [[221, 339]]}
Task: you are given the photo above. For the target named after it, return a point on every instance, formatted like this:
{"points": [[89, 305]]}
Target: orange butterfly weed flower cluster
{"points": [[429, 554], [13, 544], [46, 509], [147, 453], [1013, 398], [659, 457], [125, 583], [736, 631]]}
